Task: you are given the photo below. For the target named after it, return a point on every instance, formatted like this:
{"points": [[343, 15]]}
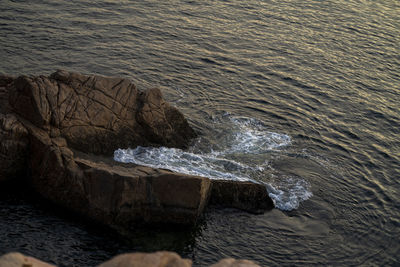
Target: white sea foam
{"points": [[288, 192], [184, 162], [239, 157]]}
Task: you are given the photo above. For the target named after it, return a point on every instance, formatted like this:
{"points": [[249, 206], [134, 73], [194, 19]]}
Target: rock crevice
{"points": [[63, 128]]}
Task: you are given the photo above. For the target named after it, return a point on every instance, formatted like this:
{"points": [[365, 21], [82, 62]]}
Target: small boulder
{"points": [[157, 259], [19, 260]]}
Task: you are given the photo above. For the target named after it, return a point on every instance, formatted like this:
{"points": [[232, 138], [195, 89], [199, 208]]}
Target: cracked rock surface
{"points": [[59, 132], [97, 114]]}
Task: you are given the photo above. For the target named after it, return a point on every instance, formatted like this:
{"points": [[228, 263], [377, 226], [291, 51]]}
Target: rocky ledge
{"points": [[59, 132]]}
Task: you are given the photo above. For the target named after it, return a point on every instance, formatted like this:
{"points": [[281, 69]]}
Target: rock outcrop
{"points": [[97, 114], [62, 129]]}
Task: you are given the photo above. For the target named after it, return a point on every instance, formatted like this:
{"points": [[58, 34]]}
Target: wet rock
{"points": [[18, 260], [157, 259], [245, 196]]}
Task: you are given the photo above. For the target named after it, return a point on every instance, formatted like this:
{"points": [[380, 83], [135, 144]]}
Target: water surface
{"points": [[311, 87]]}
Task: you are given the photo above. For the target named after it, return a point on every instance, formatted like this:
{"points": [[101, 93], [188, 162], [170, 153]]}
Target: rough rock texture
{"points": [[50, 127], [157, 259], [18, 260], [115, 195], [134, 195], [246, 196], [97, 114]]}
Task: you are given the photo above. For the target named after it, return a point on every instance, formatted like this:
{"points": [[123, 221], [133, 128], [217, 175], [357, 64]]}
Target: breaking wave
{"points": [[241, 154]]}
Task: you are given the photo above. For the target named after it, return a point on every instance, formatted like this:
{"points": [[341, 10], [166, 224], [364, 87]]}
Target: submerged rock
{"points": [[50, 127]]}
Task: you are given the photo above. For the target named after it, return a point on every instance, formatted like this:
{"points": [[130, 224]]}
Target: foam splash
{"points": [[240, 156], [184, 162], [288, 192]]}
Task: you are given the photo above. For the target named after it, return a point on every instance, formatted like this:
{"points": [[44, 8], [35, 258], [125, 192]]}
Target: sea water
{"points": [[302, 96]]}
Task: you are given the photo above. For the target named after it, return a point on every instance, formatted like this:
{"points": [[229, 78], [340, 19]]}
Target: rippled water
{"points": [[312, 86]]}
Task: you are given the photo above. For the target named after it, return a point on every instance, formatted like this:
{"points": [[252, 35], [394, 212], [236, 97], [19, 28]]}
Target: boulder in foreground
{"points": [[19, 260], [156, 259]]}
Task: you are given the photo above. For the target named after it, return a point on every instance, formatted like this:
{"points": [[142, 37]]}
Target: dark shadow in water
{"points": [[33, 226]]}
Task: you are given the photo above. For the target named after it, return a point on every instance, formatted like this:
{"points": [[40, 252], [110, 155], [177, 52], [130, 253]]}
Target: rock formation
{"points": [[97, 114], [59, 131]]}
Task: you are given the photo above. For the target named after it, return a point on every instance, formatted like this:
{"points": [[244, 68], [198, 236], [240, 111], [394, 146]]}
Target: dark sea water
{"points": [[303, 96]]}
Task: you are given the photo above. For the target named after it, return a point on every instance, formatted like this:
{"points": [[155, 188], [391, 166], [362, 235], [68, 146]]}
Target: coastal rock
{"points": [[157, 259], [97, 114], [62, 129], [18, 260], [163, 123], [132, 195], [115, 195], [245, 196]]}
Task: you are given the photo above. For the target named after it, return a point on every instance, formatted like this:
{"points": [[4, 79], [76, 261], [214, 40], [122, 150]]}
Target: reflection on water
{"points": [[318, 78]]}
